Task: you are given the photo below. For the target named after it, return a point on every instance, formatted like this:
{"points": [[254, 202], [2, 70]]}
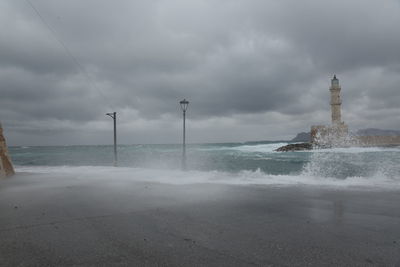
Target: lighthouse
{"points": [[336, 102], [337, 133]]}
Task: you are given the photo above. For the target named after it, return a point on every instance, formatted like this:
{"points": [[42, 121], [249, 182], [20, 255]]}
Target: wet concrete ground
{"points": [[70, 221]]}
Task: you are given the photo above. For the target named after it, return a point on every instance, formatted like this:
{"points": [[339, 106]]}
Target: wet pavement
{"points": [[71, 221]]}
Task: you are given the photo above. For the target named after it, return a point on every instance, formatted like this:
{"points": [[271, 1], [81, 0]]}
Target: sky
{"points": [[251, 69]]}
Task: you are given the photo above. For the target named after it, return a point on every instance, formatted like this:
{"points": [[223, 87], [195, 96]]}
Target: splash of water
{"points": [[124, 175], [370, 164]]}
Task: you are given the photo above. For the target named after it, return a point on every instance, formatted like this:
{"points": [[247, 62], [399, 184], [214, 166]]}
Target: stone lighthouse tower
{"points": [[336, 102], [337, 133]]}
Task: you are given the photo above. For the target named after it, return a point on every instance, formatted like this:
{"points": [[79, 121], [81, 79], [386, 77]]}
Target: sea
{"points": [[255, 163]]}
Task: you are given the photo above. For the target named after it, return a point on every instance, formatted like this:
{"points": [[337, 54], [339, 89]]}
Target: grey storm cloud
{"points": [[259, 69]]}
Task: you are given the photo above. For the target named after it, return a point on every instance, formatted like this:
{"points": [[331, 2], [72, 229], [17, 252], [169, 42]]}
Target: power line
{"points": [[68, 52]]}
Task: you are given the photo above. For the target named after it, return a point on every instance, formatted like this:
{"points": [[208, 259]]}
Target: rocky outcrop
{"points": [[6, 167], [295, 147]]}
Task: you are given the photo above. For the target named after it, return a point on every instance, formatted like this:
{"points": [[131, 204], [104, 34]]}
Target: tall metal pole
{"points": [[114, 116], [184, 105], [115, 140], [184, 141]]}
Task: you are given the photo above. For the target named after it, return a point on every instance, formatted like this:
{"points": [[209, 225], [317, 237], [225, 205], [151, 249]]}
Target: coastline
{"points": [[70, 221]]}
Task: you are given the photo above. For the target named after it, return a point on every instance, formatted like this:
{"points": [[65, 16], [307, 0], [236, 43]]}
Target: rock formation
{"points": [[6, 167], [295, 147], [302, 137]]}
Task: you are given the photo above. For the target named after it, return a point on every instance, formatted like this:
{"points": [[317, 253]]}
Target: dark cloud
{"points": [[252, 69]]}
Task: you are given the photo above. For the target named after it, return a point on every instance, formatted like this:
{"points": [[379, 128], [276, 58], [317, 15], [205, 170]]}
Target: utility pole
{"points": [[114, 116], [184, 105]]}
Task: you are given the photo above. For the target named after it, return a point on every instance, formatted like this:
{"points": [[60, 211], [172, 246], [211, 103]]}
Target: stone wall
{"points": [[336, 135], [332, 136], [378, 140], [6, 167]]}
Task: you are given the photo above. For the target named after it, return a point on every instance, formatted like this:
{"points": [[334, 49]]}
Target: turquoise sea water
{"points": [[255, 163]]}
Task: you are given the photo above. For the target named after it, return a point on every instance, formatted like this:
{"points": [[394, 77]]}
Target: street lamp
{"points": [[114, 116], [184, 105]]}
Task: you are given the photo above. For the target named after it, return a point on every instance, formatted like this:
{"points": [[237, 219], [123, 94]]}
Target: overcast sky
{"points": [[251, 69]]}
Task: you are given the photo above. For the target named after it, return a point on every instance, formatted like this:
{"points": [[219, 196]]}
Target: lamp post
{"points": [[184, 105], [114, 116]]}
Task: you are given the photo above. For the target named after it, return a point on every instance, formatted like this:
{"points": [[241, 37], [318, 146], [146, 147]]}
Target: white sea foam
{"points": [[264, 148], [379, 180], [268, 148], [261, 148]]}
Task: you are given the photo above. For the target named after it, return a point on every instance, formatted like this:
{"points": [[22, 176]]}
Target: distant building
{"points": [[336, 102], [337, 132]]}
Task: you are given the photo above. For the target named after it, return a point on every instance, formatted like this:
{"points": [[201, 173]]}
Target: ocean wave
{"points": [[379, 180], [356, 150], [269, 148], [264, 148]]}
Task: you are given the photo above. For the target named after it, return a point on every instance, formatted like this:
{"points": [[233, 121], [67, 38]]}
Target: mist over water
{"points": [[232, 163]]}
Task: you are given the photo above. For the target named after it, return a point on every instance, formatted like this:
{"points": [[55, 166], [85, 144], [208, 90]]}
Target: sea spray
{"points": [[90, 174], [218, 163], [343, 163]]}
